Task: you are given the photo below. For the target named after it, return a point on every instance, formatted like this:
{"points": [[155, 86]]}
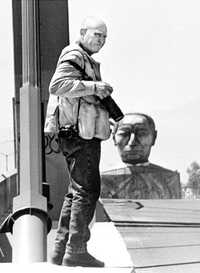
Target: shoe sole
{"points": [[74, 264]]}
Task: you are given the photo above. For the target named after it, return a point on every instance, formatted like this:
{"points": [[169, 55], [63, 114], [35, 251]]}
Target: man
{"points": [[78, 87], [134, 137]]}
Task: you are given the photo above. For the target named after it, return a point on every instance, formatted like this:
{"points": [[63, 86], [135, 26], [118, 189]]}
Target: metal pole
{"points": [[29, 233], [29, 230]]}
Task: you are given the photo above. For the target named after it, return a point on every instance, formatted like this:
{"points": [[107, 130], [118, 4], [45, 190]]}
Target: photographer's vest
{"points": [[93, 119]]}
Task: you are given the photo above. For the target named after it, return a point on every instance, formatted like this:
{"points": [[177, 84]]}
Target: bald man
{"points": [[78, 87]]}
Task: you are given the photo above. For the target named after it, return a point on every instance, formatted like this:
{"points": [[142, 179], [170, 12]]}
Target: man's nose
{"points": [[102, 39], [132, 139]]}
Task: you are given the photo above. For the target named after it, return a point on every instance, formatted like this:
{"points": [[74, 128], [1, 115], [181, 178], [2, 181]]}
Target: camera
{"points": [[68, 132], [110, 105], [112, 108]]}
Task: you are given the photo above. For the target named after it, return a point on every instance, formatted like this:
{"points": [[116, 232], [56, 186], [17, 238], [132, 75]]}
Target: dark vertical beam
{"points": [[17, 39], [53, 35]]}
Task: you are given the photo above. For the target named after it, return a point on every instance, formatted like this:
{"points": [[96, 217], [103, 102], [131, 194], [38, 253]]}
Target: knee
{"points": [[86, 197]]}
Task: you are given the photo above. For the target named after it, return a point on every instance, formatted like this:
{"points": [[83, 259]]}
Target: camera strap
{"points": [[79, 68], [85, 77], [76, 124]]}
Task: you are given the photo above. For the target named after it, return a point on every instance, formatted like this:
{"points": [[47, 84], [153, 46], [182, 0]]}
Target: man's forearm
{"points": [[73, 88]]}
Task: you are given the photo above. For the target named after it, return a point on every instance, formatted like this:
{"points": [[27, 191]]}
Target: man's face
{"points": [[93, 39], [134, 138]]}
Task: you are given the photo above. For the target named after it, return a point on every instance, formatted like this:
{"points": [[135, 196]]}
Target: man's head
{"points": [[93, 34], [134, 136]]}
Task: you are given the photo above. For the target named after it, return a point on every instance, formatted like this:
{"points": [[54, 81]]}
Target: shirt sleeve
{"points": [[67, 80]]}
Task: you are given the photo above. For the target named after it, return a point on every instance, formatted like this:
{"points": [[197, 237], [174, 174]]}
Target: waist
{"points": [[92, 120]]}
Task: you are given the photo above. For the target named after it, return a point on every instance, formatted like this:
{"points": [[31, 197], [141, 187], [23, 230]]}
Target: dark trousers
{"points": [[82, 157]]}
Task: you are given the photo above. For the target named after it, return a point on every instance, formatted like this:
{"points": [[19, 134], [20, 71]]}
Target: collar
{"points": [[78, 43], [138, 164]]}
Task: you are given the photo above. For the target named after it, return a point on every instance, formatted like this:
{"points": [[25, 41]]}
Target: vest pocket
{"points": [[102, 124], [86, 120]]}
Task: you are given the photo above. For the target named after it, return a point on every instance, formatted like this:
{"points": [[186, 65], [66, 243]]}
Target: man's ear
{"points": [[83, 31], [154, 137], [113, 126]]}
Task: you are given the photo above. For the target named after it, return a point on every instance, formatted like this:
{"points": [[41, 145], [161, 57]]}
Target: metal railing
{"points": [[8, 189]]}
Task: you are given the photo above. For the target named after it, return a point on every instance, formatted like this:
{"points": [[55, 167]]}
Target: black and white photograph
{"points": [[100, 136]]}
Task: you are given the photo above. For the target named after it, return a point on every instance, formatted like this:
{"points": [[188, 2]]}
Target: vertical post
{"points": [[29, 230], [6, 162]]}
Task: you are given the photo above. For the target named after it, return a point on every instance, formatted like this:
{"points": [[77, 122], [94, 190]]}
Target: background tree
{"points": [[194, 178]]}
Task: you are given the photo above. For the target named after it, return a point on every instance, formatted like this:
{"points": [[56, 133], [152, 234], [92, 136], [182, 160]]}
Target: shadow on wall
{"points": [[5, 249], [56, 176]]}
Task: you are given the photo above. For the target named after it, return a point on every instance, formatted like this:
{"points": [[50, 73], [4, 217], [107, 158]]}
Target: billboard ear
{"points": [[113, 126], [154, 137], [114, 140]]}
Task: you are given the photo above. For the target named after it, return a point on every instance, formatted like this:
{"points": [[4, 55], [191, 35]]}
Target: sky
{"points": [[6, 67], [152, 60], [7, 88]]}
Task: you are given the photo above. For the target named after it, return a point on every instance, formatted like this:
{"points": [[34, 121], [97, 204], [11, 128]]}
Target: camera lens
{"points": [[112, 108]]}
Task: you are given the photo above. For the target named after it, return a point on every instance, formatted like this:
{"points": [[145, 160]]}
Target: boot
{"points": [[81, 259], [56, 257]]}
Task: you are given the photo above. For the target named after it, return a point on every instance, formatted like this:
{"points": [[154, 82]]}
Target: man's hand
{"points": [[103, 89]]}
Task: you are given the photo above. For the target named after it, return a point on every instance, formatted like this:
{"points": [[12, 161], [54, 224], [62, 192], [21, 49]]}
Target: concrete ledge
{"points": [[107, 245], [184, 268], [47, 267]]}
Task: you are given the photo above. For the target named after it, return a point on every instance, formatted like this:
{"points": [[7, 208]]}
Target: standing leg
{"points": [[85, 187], [62, 232], [83, 157]]}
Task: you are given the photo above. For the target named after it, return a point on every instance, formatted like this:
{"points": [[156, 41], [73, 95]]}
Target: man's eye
{"points": [[142, 133], [98, 35], [123, 133]]}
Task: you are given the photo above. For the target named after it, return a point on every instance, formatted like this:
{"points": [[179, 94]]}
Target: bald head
{"points": [[134, 136], [93, 34], [93, 23]]}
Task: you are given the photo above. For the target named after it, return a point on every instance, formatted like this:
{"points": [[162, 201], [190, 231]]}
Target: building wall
{"points": [[52, 36]]}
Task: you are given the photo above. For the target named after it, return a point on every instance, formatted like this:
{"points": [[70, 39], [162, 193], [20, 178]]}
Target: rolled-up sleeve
{"points": [[67, 80]]}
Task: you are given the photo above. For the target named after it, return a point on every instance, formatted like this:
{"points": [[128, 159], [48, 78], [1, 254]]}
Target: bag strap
{"points": [[78, 67], [86, 77], [76, 124]]}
